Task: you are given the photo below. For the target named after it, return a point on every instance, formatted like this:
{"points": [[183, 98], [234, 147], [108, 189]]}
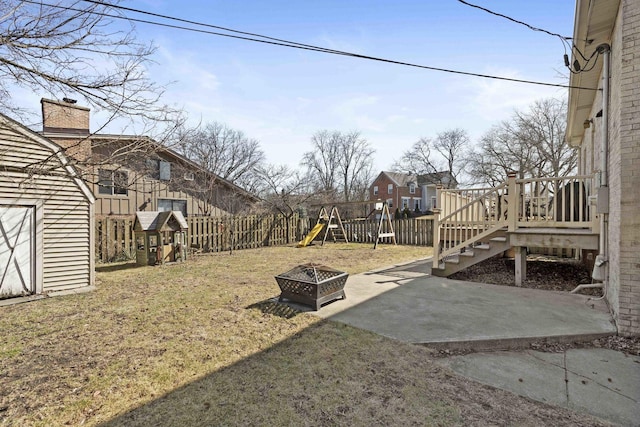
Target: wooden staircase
{"points": [[478, 251], [479, 223]]}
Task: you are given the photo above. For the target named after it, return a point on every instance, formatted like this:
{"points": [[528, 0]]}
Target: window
{"points": [[112, 182], [390, 203], [165, 170], [390, 189], [412, 188], [405, 202], [433, 202], [416, 204], [375, 190], [173, 205], [152, 168]]}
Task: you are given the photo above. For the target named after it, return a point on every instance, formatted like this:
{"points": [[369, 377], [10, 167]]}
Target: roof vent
{"points": [[69, 100]]}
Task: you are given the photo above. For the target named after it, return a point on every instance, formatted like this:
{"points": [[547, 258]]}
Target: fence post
{"points": [[436, 237]]}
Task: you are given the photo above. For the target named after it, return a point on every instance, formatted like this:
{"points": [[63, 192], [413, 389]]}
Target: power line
{"points": [[531, 27], [283, 43], [187, 21], [577, 69]]}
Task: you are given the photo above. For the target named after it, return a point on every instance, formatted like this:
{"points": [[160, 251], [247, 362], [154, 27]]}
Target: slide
{"points": [[312, 235]]}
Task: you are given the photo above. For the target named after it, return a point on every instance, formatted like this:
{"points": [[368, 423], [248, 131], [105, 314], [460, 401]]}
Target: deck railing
{"points": [[553, 202], [466, 216]]}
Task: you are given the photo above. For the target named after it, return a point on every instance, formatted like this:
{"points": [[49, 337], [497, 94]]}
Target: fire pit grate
{"points": [[312, 284]]}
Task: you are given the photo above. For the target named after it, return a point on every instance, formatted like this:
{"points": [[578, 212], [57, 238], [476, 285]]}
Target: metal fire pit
{"points": [[312, 284]]}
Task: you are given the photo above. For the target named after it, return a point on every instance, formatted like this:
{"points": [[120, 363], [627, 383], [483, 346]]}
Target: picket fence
{"points": [[115, 238]]}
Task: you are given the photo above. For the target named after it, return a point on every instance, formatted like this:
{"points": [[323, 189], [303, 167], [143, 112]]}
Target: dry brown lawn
{"points": [[202, 343]]}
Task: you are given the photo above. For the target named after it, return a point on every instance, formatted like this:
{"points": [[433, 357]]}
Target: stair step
{"points": [[452, 260], [498, 239], [467, 253], [483, 246]]}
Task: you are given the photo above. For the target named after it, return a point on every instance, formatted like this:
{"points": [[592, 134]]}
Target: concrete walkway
{"points": [[597, 381], [406, 303]]}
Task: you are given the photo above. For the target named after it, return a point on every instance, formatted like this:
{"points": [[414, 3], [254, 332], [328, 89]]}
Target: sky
{"points": [[282, 96]]}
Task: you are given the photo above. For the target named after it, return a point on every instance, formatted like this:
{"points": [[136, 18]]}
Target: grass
{"points": [[201, 343]]}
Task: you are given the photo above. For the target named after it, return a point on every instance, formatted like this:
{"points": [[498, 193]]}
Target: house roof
{"points": [[593, 26], [54, 148], [156, 221], [160, 149], [437, 178], [403, 180]]}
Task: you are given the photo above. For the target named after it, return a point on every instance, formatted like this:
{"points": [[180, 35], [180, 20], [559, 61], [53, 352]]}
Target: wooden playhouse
{"points": [[160, 237]]}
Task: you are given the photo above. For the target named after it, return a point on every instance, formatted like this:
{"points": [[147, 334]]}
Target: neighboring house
{"points": [[607, 134], [130, 173], [46, 216], [415, 192]]}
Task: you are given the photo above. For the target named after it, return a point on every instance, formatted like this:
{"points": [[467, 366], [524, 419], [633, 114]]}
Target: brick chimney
{"points": [[67, 124]]}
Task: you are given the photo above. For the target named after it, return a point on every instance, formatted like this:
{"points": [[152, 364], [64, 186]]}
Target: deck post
{"points": [[512, 201], [521, 264], [436, 237]]}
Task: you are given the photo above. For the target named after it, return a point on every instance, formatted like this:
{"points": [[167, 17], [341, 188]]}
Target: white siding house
{"points": [[46, 216]]}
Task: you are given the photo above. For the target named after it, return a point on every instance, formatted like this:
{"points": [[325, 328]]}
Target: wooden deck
{"points": [[541, 212], [549, 237]]}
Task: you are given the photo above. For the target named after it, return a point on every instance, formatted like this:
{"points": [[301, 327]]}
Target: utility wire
{"points": [[531, 27], [286, 43], [584, 68], [187, 21]]}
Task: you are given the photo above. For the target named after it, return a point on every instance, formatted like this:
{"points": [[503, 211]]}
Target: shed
{"points": [[160, 237], [46, 216]]}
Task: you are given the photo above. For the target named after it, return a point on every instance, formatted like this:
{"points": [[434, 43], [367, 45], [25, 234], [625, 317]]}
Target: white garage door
{"points": [[17, 238]]}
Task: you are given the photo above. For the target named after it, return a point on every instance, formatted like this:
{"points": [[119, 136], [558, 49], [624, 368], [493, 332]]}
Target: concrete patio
{"points": [[406, 303]]}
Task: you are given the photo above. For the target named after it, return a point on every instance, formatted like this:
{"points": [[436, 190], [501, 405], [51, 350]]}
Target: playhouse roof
{"points": [[159, 221]]}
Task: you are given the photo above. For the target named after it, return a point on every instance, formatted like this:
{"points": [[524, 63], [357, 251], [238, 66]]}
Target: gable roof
{"points": [[156, 221], [400, 179], [54, 148], [403, 179]]}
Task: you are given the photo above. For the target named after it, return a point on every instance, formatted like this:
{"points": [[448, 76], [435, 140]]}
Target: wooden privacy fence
{"points": [[115, 239], [410, 231]]}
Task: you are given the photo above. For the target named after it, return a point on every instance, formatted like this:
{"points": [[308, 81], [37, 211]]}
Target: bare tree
{"points": [[340, 164], [226, 152], [72, 48], [418, 160], [531, 142], [544, 126], [322, 160], [445, 153], [284, 190], [452, 146]]}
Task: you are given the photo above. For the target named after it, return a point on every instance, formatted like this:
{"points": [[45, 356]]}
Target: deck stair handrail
{"points": [[470, 216]]}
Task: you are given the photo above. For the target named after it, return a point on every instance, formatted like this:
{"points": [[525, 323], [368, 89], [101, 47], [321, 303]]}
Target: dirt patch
{"points": [[543, 272]]}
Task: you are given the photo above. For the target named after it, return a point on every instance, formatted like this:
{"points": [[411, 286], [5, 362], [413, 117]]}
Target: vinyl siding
{"points": [[66, 253]]}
